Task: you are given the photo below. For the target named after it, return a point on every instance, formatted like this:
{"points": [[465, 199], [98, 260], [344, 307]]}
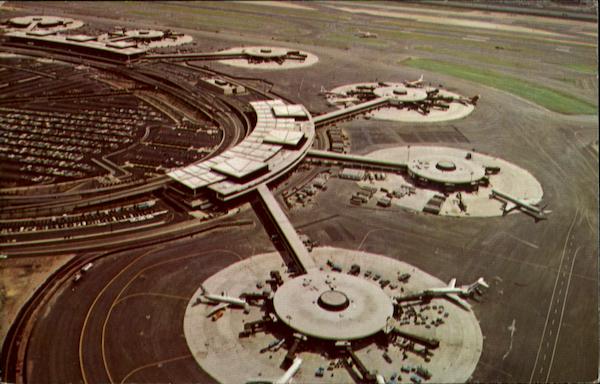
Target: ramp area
{"points": [[288, 234]]}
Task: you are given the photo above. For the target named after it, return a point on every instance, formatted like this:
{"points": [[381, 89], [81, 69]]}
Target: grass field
{"points": [[543, 96], [583, 68]]}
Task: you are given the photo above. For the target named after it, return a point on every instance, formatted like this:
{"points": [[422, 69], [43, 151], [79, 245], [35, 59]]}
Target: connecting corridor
{"points": [[288, 233]]}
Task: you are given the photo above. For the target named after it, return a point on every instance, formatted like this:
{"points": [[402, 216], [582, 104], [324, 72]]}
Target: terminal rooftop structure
{"points": [[121, 44], [41, 25], [280, 139]]}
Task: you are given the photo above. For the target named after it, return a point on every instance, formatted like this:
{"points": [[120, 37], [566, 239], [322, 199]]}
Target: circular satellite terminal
{"points": [[446, 165], [266, 52], [267, 57], [446, 169], [333, 306], [400, 92], [54, 23]]}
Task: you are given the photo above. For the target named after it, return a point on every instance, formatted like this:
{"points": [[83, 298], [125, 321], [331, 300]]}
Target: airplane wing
{"points": [[510, 207], [460, 302], [217, 309]]}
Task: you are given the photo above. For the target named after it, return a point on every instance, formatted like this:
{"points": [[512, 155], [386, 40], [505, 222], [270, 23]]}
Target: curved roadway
{"points": [[123, 320]]}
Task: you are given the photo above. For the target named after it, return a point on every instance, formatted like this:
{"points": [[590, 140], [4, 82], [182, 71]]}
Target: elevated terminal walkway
{"points": [[359, 161], [341, 114], [288, 234]]}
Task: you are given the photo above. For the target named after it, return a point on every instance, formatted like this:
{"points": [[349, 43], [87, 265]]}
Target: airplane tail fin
{"points": [[479, 283], [482, 282]]}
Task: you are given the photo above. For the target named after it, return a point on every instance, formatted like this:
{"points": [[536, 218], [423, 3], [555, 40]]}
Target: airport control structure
{"points": [[129, 136]]}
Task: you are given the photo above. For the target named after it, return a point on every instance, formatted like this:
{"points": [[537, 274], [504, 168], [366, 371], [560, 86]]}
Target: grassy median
{"points": [[543, 96]]}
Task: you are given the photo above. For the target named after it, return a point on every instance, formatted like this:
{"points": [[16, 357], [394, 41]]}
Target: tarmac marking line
{"points": [[367, 235], [117, 299], [153, 294], [553, 292], [512, 328], [589, 224], [562, 312], [87, 316], [527, 243], [156, 363]]}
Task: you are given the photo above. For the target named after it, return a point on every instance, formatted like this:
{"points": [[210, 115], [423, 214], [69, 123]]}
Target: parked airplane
{"points": [[210, 298], [286, 378], [511, 203], [215, 311], [325, 92], [452, 292], [366, 34], [466, 101], [414, 83]]}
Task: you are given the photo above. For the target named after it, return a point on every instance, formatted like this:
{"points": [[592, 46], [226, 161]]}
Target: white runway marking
{"points": [[512, 328], [527, 243], [476, 38]]}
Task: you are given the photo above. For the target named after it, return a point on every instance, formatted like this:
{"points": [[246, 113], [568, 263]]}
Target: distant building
{"points": [[223, 86], [352, 174], [384, 202]]}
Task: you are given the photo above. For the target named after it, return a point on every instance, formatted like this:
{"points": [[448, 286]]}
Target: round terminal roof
{"points": [[41, 20], [50, 23], [401, 93], [446, 169], [300, 58], [266, 52], [144, 33], [333, 306]]}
